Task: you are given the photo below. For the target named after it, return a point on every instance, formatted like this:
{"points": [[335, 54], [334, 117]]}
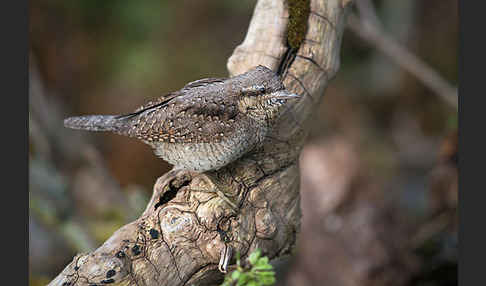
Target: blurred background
{"points": [[379, 173]]}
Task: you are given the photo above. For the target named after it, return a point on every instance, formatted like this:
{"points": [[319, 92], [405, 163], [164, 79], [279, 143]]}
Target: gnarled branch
{"points": [[186, 227]]}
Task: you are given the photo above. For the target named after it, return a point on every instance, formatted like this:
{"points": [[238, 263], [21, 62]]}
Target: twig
{"points": [[367, 27], [367, 11]]}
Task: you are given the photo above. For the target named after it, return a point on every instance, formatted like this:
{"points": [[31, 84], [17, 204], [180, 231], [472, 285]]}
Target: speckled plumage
{"points": [[205, 125]]}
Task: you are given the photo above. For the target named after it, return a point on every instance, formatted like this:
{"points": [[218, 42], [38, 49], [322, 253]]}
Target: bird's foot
{"points": [[226, 199], [225, 257], [207, 181]]}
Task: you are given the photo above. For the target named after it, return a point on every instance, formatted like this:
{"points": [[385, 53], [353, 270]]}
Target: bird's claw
{"points": [[225, 257]]}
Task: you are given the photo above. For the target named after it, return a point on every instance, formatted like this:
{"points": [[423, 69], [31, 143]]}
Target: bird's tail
{"points": [[94, 122]]}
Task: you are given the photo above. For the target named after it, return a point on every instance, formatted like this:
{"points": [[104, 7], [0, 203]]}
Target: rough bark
{"points": [[179, 238]]}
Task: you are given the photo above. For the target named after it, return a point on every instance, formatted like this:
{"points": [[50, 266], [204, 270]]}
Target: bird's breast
{"points": [[201, 157]]}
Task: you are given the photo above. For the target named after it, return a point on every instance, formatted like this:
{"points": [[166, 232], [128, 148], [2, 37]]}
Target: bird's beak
{"points": [[285, 95]]}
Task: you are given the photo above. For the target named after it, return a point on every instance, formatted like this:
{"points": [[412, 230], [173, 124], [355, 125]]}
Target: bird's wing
{"points": [[153, 103], [197, 120], [203, 82], [159, 101]]}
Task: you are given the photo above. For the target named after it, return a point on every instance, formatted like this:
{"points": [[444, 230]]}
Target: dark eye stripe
{"points": [[253, 90]]}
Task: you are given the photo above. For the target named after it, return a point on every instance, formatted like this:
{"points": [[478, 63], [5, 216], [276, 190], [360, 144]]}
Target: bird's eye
{"points": [[253, 90]]}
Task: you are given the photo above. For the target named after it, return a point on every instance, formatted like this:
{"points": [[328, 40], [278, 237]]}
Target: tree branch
{"points": [[179, 238], [368, 28]]}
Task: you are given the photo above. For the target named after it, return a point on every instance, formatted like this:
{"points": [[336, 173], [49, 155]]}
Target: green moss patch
{"points": [[299, 11]]}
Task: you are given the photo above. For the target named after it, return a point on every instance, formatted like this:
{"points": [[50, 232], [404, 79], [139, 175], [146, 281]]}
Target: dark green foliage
{"points": [[258, 273]]}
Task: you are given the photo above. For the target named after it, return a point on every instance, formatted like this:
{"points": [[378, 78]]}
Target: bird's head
{"points": [[262, 95]]}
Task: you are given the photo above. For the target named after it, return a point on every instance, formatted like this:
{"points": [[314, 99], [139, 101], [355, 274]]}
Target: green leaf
{"points": [[235, 275], [258, 273], [263, 260], [262, 264], [243, 279], [254, 257], [267, 280], [262, 267], [266, 273], [238, 259]]}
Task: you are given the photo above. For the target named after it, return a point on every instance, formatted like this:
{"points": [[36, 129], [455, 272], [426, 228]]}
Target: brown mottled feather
{"points": [[157, 101], [204, 82], [166, 98], [175, 119]]}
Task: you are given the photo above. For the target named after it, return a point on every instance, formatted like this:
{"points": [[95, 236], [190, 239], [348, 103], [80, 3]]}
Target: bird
{"points": [[207, 124]]}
